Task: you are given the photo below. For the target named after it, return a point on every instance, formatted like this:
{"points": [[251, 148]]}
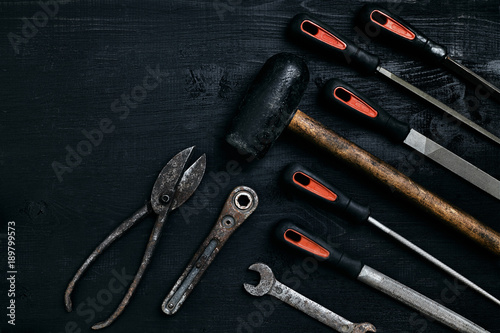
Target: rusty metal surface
{"points": [[172, 188], [117, 233], [191, 179], [166, 184], [240, 204], [152, 242], [269, 285], [92, 52]]}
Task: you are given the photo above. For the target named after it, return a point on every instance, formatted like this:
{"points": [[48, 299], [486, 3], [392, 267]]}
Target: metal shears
{"points": [[174, 185]]}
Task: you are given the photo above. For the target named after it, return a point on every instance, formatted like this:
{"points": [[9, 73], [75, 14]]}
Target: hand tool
{"points": [[342, 96], [316, 34], [297, 237], [172, 188], [240, 204], [270, 106], [304, 181], [396, 30], [269, 285]]}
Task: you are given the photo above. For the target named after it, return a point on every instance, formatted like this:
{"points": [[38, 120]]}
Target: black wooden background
{"points": [[63, 78]]}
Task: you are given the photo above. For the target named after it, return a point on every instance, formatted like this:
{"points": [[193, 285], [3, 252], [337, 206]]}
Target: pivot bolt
{"points": [[165, 198]]}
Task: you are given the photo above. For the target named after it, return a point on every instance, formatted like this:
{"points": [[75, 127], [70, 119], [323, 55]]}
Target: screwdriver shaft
{"points": [[436, 103], [432, 259]]}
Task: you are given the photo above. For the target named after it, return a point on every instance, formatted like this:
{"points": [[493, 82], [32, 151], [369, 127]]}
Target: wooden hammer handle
{"points": [[316, 133]]}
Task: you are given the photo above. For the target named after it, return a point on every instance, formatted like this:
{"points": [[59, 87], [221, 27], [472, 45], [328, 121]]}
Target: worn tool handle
{"points": [[296, 237], [316, 34], [311, 186], [342, 97], [310, 130], [240, 204], [318, 311], [381, 23]]}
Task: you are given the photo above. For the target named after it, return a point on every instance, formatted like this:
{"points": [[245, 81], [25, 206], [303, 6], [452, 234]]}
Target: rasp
{"points": [[315, 34], [396, 30], [297, 237], [342, 96]]}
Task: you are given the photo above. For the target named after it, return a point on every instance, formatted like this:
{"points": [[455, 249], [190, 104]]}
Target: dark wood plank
{"points": [[65, 79]]}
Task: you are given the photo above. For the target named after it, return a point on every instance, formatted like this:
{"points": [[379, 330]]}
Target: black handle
{"points": [[340, 95], [301, 179], [294, 236], [377, 21], [316, 34]]}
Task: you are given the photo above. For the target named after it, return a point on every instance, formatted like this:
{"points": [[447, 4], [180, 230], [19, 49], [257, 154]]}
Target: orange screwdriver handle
{"points": [[317, 35], [381, 23], [342, 97]]}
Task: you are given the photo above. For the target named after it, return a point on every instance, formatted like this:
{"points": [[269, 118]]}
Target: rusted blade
{"points": [[190, 181], [170, 186], [172, 179]]}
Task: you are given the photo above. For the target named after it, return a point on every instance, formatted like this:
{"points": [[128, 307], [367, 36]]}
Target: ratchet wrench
{"points": [[240, 204], [269, 285]]}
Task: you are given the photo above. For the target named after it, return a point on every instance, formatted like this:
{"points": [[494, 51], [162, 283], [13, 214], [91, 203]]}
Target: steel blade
{"points": [[417, 301], [472, 77], [452, 162], [166, 185], [190, 181], [436, 103]]}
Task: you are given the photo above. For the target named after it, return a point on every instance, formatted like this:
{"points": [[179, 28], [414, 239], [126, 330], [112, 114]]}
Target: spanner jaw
{"points": [[269, 285], [363, 328], [266, 283]]}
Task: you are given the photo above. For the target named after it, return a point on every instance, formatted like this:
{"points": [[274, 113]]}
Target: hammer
{"points": [[270, 106]]}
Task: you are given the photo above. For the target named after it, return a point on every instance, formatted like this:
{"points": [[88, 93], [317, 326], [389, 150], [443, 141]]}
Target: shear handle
{"points": [[152, 242], [117, 233]]}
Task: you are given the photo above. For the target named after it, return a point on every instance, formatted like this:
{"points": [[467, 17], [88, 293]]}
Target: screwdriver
{"points": [[344, 97], [298, 238], [401, 33], [312, 187], [316, 34]]}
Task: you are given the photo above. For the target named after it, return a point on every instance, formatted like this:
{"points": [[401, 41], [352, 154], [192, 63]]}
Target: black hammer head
{"points": [[269, 105]]}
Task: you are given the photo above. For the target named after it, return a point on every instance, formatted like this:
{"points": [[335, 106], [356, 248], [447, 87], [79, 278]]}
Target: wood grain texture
{"points": [[347, 152], [66, 78]]}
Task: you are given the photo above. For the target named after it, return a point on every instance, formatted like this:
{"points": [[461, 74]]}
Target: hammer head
{"points": [[269, 105]]}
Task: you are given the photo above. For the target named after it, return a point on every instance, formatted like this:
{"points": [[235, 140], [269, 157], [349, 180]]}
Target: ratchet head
{"points": [[266, 283]]}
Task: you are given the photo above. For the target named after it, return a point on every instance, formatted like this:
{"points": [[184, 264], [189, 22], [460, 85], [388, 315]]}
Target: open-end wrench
{"points": [[269, 285]]}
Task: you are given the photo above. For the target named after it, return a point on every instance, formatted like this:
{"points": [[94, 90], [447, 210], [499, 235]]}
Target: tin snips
{"points": [[174, 185]]}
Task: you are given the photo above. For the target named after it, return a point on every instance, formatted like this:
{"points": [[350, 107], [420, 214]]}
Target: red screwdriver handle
{"points": [[296, 237], [342, 96], [377, 21], [312, 187], [315, 34]]}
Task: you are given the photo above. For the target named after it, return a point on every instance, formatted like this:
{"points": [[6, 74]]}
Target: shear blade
{"points": [[190, 181], [175, 184]]}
